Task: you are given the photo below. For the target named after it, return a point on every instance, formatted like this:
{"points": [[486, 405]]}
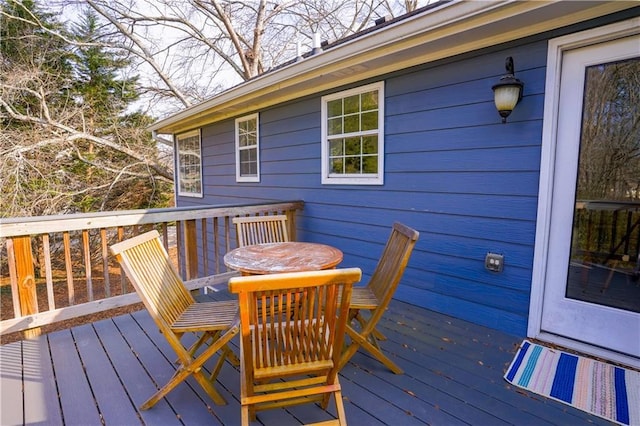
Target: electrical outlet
{"points": [[494, 262]]}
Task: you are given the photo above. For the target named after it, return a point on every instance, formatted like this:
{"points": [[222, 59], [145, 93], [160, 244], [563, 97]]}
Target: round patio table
{"points": [[272, 258]]}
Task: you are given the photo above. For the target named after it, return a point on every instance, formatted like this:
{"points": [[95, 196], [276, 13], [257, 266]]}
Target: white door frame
{"points": [[547, 170]]}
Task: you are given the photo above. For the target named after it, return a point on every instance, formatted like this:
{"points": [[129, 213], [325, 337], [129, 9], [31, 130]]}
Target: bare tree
{"points": [[192, 49], [610, 148]]}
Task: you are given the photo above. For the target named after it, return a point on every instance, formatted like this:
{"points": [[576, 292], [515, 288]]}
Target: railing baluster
{"points": [[205, 246], [48, 270], [180, 248], [216, 245], [105, 262], [87, 264], [69, 268], [123, 278]]}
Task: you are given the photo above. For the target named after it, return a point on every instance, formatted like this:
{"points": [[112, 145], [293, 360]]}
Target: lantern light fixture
{"points": [[508, 91]]}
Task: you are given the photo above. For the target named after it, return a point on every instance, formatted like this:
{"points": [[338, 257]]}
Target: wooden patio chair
{"points": [[252, 230], [291, 349], [175, 312], [377, 294]]}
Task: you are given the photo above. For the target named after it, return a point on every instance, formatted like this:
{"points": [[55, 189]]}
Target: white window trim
{"points": [[178, 137], [237, 133], [353, 179]]}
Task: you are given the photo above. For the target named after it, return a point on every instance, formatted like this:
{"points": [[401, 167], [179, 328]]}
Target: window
{"points": [[247, 153], [353, 136], [189, 164]]}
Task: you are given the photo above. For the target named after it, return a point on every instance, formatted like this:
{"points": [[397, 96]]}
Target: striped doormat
{"points": [[596, 387]]}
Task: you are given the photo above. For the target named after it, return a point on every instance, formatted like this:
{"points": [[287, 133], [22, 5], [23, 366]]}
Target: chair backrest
{"points": [[292, 323], [252, 230], [392, 262], [147, 264]]}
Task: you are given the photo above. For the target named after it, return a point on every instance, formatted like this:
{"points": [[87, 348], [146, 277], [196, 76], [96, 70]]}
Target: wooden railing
{"points": [[55, 268], [607, 232]]}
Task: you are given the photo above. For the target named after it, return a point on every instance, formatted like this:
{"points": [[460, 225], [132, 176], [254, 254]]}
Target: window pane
{"points": [[335, 147], [334, 108], [352, 165], [352, 104], [370, 145], [248, 163], [336, 165], [351, 123], [335, 126], [370, 120], [370, 164], [352, 146], [370, 100]]}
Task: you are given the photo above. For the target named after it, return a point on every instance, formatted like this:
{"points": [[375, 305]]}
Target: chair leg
{"points": [[378, 335], [382, 357], [177, 377], [207, 385], [195, 367], [216, 369], [361, 341], [342, 417], [244, 413]]}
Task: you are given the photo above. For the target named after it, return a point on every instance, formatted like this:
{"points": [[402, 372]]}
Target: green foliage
{"points": [[98, 69], [69, 140]]}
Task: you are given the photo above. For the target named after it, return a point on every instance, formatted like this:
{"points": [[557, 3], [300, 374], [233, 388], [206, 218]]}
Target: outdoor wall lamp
{"points": [[508, 91]]}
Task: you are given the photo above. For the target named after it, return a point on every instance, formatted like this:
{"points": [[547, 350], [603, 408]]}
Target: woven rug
{"points": [[596, 387]]}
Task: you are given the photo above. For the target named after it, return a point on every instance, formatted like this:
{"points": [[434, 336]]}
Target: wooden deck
{"points": [[100, 373]]}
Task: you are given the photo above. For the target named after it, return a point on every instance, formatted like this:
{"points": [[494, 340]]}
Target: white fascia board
{"points": [[453, 28]]}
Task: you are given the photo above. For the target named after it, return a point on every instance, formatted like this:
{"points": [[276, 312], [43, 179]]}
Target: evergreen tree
{"points": [[28, 46], [98, 81]]}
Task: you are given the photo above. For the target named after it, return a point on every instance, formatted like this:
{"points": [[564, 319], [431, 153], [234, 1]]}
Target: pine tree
{"points": [[98, 74]]}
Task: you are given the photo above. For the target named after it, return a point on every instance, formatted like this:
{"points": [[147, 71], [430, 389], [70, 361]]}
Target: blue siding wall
{"points": [[465, 181]]}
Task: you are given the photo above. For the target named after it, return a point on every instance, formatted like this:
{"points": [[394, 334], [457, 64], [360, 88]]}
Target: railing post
{"points": [[25, 275], [191, 249]]}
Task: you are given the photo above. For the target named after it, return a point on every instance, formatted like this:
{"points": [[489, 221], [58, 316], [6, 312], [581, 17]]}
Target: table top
{"points": [[274, 258]]}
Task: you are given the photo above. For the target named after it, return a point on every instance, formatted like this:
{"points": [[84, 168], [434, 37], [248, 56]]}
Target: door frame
{"points": [[556, 48]]}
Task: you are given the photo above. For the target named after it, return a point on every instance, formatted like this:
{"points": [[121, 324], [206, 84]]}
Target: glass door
{"points": [[592, 292]]}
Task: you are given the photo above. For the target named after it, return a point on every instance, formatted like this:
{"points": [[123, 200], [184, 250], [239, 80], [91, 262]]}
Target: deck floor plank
{"points": [[160, 369], [446, 359], [76, 398], [222, 413], [12, 410], [453, 376], [428, 394], [40, 384], [480, 363], [425, 404], [113, 402], [135, 380]]}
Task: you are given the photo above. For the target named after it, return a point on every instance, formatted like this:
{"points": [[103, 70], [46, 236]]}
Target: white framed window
{"points": [[353, 136], [247, 149], [189, 170]]}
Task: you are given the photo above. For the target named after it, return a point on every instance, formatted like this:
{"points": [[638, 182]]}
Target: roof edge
{"points": [[469, 23]]}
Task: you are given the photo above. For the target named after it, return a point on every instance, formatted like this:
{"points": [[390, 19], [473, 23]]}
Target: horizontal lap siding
{"points": [[468, 183]]}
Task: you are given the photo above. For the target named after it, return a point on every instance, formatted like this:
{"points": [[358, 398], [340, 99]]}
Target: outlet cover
{"points": [[494, 262]]}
